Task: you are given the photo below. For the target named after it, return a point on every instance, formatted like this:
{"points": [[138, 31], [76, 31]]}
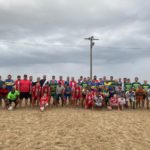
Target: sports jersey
{"points": [[36, 91], [9, 84], [72, 84], [62, 82], [135, 85], [94, 85], [45, 89], [146, 86], [100, 83], [13, 96], [127, 86], [84, 84], [44, 100], [1, 83], [53, 85], [68, 90], [17, 84], [25, 86], [3, 92]]}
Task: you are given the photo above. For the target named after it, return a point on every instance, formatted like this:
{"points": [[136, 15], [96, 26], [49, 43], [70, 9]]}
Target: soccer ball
{"points": [[10, 108], [42, 108]]}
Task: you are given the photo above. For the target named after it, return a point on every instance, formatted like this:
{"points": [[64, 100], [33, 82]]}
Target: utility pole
{"points": [[91, 39]]}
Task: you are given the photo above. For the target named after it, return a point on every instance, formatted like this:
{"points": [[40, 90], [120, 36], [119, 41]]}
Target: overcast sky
{"points": [[47, 37]]}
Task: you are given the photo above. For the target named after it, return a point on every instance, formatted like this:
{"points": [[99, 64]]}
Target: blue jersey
{"points": [[9, 84]]}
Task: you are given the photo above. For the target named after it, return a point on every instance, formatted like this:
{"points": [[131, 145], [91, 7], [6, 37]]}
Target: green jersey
{"points": [[84, 84], [146, 86], [135, 85], [127, 86], [13, 96], [1, 83], [53, 86]]}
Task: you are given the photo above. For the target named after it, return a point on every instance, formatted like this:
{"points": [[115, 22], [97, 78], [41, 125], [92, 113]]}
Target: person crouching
{"points": [[12, 97], [44, 101], [89, 102], [114, 102]]}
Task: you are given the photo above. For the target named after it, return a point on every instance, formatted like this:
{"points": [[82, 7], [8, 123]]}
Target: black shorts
{"points": [[25, 95]]}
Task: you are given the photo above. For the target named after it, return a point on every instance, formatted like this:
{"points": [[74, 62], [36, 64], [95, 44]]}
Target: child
{"points": [[114, 101], [46, 89], [130, 97], [44, 101], [89, 100], [98, 100]]}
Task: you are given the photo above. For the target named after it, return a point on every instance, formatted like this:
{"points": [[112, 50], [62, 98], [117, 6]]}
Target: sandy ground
{"points": [[74, 129]]}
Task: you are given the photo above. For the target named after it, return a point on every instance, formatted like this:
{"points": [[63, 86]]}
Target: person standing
{"points": [[9, 83], [25, 90]]}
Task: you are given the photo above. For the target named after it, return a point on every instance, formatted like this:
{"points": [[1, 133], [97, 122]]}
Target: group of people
{"points": [[85, 92]]}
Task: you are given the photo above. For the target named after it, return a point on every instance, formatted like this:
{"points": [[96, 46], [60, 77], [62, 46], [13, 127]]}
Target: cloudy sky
{"points": [[47, 37]]}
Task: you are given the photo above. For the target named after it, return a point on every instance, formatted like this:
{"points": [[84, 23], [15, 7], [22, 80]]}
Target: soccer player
{"points": [[25, 90], [67, 93], [44, 101], [77, 95], [53, 84], [46, 89], [60, 93], [61, 80], [98, 100], [1, 82], [114, 101], [17, 83], [9, 83], [89, 101], [12, 97], [36, 94], [140, 94], [67, 81], [127, 85], [43, 81], [146, 87], [136, 84], [3, 94]]}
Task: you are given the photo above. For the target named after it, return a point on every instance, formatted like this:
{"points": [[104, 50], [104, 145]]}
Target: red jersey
{"points": [[17, 84], [78, 91], [114, 101], [36, 91], [3, 92], [72, 84], [43, 100], [45, 89], [62, 82], [25, 86], [89, 100]]}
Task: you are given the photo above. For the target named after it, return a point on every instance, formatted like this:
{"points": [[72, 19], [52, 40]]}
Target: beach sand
{"points": [[74, 129]]}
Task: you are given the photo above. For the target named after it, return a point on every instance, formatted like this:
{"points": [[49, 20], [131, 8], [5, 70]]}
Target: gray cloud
{"points": [[51, 32]]}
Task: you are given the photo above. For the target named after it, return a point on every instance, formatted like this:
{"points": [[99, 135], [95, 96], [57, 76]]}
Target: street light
{"points": [[91, 39]]}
